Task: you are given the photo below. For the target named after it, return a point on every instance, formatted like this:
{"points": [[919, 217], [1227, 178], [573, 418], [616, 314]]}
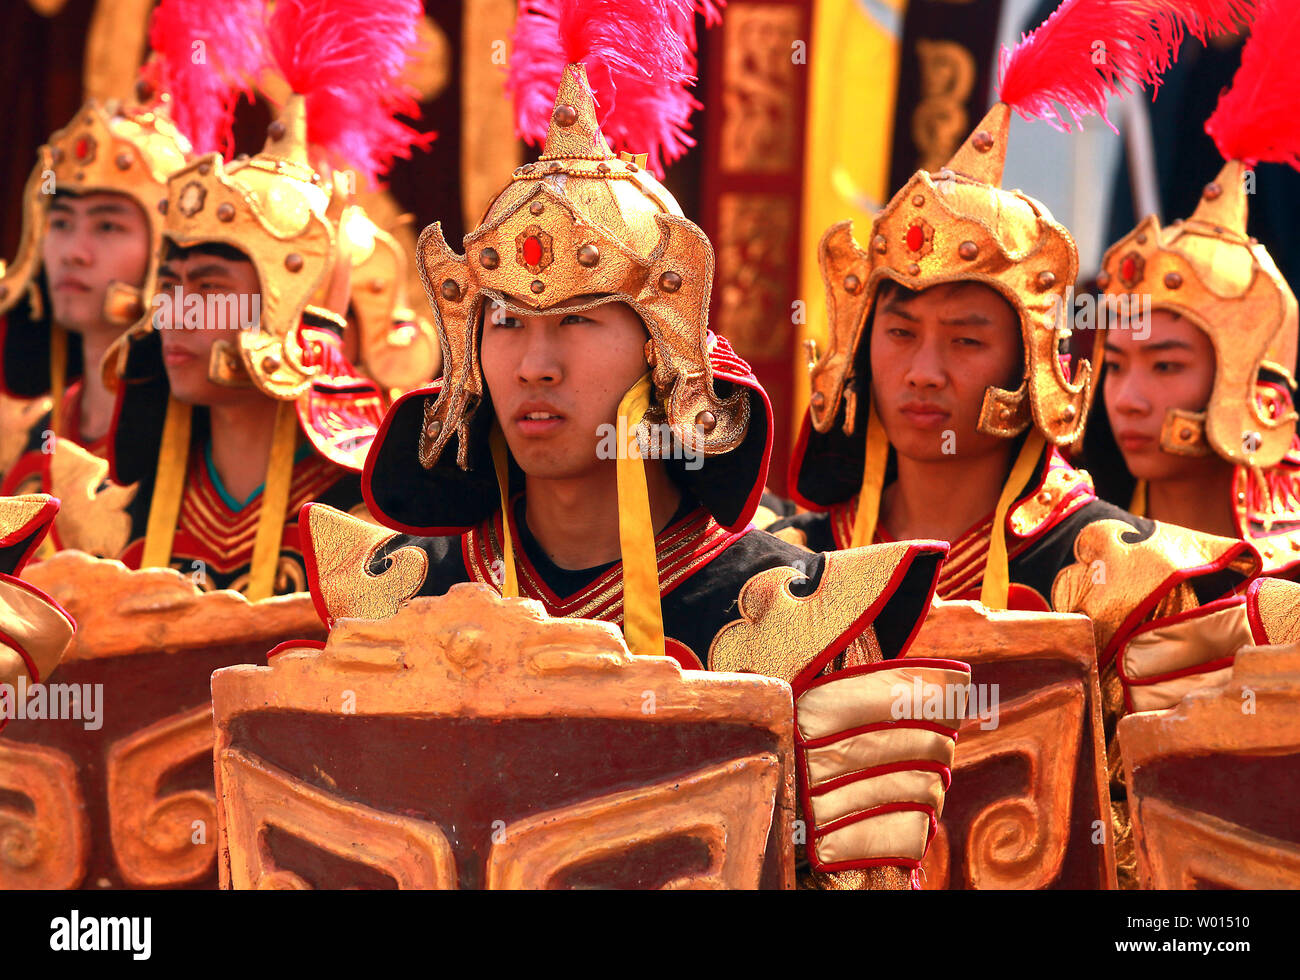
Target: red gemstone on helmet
{"points": [[915, 238], [1128, 269], [82, 148], [532, 250]]}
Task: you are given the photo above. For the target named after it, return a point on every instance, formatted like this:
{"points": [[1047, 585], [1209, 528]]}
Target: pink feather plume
{"points": [[640, 58], [207, 55], [1088, 50], [1258, 116], [347, 57]]}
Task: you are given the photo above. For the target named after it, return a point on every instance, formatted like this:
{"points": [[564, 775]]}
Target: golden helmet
{"points": [[106, 148], [275, 208], [1208, 270], [960, 225], [578, 228]]}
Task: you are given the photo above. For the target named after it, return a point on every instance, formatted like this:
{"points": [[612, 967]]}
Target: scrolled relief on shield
{"points": [[1029, 804], [1204, 780], [471, 741], [106, 772]]}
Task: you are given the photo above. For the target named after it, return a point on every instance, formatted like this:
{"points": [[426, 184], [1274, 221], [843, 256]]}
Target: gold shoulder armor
{"points": [[338, 550], [793, 637], [93, 517], [1116, 571], [1273, 605]]}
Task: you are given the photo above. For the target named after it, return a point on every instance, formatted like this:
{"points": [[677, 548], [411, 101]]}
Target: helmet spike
{"points": [[1223, 202], [574, 131], [984, 154]]}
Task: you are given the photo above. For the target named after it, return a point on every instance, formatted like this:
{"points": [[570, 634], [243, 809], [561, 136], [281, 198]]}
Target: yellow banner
{"points": [[850, 119]]}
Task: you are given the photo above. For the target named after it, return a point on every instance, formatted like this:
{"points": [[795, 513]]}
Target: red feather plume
{"points": [[1088, 50], [206, 55], [640, 58], [347, 58], [1258, 116]]}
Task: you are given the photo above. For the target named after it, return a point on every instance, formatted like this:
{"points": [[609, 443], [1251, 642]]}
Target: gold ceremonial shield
{"points": [[116, 790], [1214, 782], [1029, 806], [471, 741]]}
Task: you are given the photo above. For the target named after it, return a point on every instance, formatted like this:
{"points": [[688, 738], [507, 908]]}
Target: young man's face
{"points": [[933, 354], [214, 288], [90, 241], [1171, 367], [555, 380]]}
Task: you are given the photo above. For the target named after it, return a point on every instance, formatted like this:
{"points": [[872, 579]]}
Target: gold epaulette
{"points": [[790, 637], [93, 517], [1117, 571], [338, 553]]}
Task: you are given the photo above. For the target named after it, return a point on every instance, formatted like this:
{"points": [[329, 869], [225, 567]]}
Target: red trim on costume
{"points": [[39, 594], [1227, 602], [29, 464], [851, 818], [340, 412], [926, 765], [208, 530], [943, 548], [868, 615], [683, 654], [902, 862], [681, 550], [1175, 578], [894, 664], [294, 644], [45, 519], [431, 390], [1257, 630], [18, 648], [802, 746], [796, 464], [110, 450], [875, 726], [728, 366]]}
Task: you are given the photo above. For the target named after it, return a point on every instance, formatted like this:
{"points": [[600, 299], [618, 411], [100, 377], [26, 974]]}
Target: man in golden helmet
{"points": [[942, 404], [1199, 426], [593, 446], [235, 402], [91, 230]]}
